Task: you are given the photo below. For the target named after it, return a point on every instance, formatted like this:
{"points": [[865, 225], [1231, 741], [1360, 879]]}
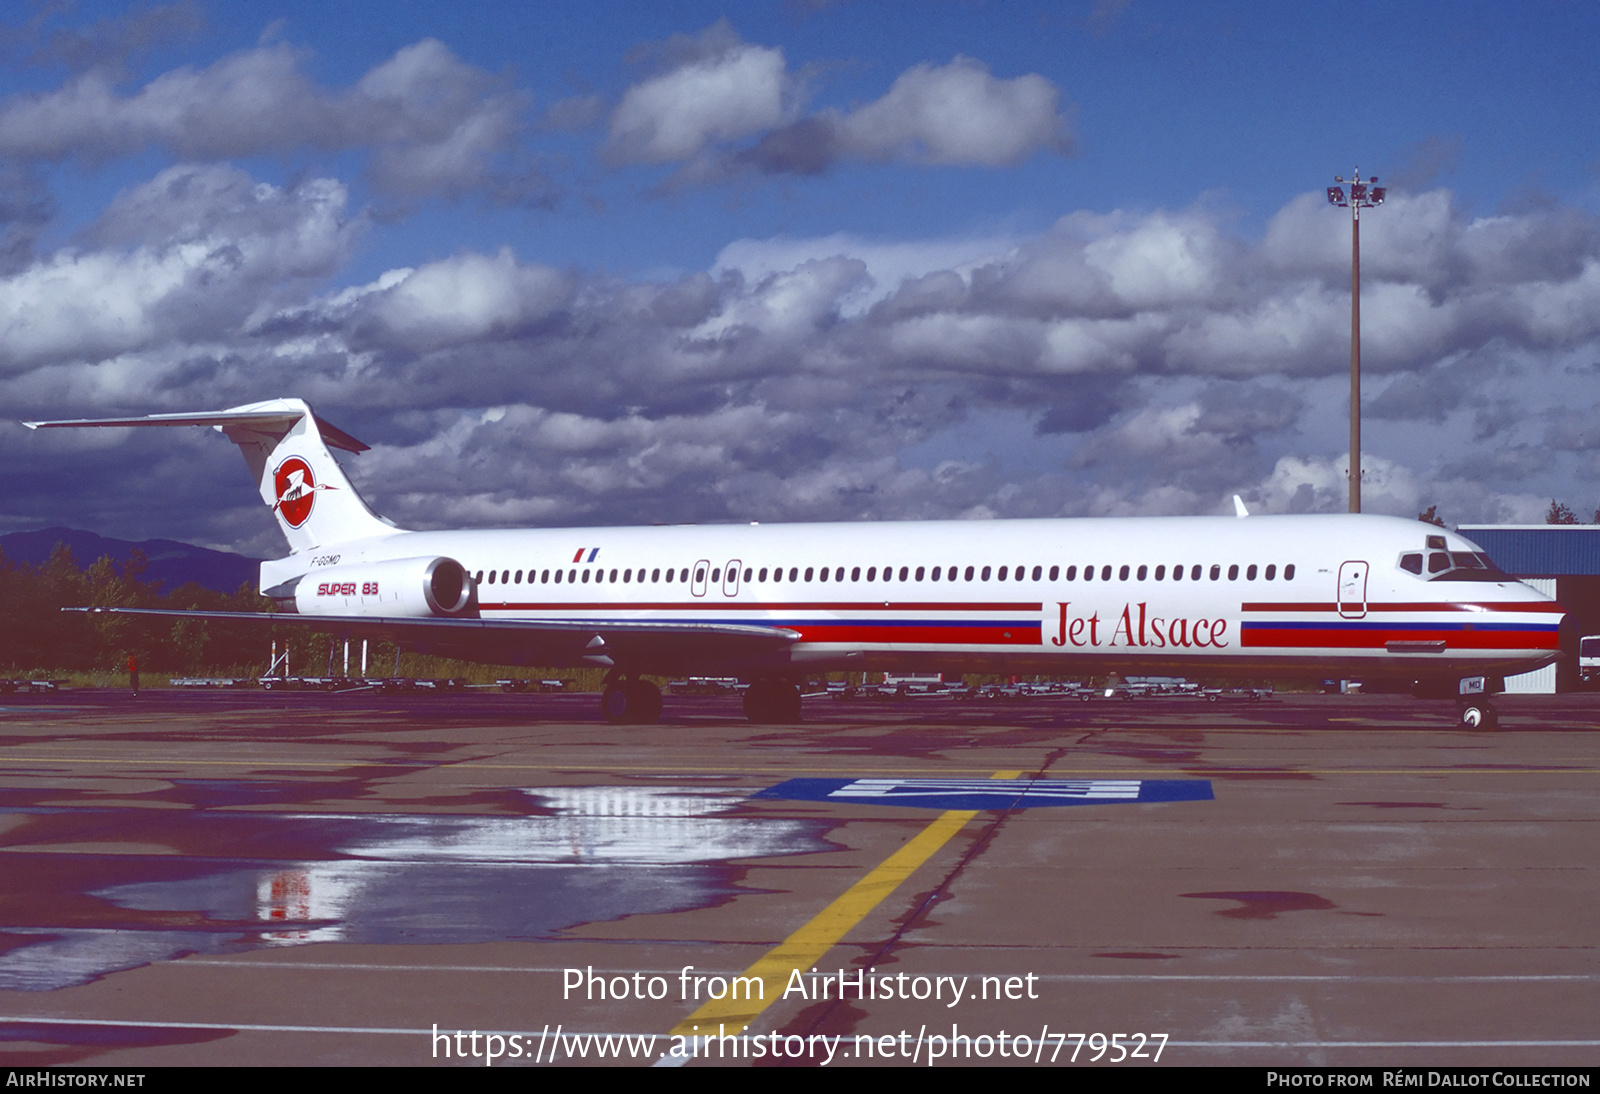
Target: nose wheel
{"points": [[1478, 714], [631, 702]]}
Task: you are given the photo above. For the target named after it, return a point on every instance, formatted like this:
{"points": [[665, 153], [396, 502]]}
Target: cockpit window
{"points": [[1454, 565]]}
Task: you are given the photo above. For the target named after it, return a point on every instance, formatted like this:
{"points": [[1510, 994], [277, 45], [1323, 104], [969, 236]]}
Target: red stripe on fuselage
{"points": [[1419, 606], [1263, 635]]}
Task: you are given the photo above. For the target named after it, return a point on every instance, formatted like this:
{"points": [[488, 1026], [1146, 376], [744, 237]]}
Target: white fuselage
{"points": [[1288, 595]]}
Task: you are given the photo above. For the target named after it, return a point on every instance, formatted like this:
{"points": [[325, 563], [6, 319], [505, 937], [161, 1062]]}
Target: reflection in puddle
{"points": [[595, 854]]}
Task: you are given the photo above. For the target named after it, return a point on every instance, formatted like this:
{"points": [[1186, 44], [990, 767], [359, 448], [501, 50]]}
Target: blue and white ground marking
{"points": [[989, 793]]}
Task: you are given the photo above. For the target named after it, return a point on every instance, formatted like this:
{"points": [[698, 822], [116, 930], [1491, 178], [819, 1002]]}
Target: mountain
{"points": [[171, 563]]}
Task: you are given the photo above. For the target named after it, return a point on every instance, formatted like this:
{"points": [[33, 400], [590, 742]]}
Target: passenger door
{"points": [[1353, 590]]}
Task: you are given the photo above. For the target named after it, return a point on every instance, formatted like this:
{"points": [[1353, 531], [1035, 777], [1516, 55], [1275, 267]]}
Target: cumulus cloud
{"points": [[730, 90], [1116, 363], [187, 257], [718, 90], [434, 124]]}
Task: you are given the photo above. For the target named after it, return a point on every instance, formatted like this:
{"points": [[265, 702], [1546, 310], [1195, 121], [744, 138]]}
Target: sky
{"points": [[584, 264]]}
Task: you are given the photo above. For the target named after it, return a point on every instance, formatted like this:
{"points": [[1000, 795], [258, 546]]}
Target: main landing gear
{"points": [[772, 703], [630, 702]]}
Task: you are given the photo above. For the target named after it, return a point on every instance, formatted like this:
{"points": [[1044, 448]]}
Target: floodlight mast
{"points": [[1363, 195]]}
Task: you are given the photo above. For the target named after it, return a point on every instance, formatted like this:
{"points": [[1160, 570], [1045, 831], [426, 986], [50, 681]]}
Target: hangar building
{"points": [[1562, 561]]}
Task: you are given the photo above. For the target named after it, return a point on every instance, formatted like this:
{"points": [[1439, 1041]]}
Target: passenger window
{"points": [[935, 575], [969, 573], [855, 574], [1038, 572], [683, 574], [747, 575], [1288, 572], [1001, 576], [558, 577], [1161, 573], [1105, 573], [1250, 574], [1194, 573], [518, 579], [822, 575], [1412, 563], [627, 576], [872, 574], [586, 576], [655, 575], [1088, 573], [809, 572], [544, 576], [763, 576], [491, 577], [903, 573], [1072, 573], [1233, 572], [669, 577], [1122, 574], [1054, 571], [1177, 573], [1216, 571], [699, 575], [838, 575], [613, 577], [1143, 572], [1272, 571]]}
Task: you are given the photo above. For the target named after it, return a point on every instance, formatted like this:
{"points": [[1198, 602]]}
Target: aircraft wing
{"points": [[644, 646]]}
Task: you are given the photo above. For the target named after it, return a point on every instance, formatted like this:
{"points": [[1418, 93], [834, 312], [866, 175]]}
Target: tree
{"points": [[1430, 515], [1560, 514]]}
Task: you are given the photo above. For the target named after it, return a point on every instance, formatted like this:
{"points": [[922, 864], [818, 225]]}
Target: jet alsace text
{"points": [[1135, 627]]}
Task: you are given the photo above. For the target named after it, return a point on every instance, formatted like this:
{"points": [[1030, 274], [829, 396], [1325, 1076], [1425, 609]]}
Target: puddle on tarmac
{"points": [[253, 879]]}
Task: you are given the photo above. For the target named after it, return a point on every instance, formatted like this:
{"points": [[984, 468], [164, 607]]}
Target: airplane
{"points": [[1306, 596]]}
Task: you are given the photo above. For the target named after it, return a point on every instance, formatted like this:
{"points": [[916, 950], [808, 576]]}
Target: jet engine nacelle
{"points": [[402, 588]]}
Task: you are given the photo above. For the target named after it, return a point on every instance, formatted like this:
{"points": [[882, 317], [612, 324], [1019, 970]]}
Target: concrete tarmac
{"points": [[250, 878]]}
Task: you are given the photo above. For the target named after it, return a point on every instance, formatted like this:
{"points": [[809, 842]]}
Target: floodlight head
{"points": [[1377, 194], [1335, 196], [1358, 192]]}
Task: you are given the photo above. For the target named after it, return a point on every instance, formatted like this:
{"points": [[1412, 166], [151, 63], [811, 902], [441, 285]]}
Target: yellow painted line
{"points": [[807, 946]]}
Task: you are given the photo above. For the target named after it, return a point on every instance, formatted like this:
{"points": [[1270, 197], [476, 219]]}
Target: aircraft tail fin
{"points": [[286, 446]]}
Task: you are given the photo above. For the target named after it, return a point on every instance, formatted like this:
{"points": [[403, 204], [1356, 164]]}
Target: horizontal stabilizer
{"points": [[270, 422]]}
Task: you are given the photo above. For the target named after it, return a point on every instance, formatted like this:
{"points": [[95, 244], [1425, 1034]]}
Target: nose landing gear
{"points": [[1477, 713], [1472, 702]]}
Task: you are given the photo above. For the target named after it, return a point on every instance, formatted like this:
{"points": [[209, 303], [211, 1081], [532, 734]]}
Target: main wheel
{"points": [[772, 702], [614, 704], [644, 703], [1478, 714]]}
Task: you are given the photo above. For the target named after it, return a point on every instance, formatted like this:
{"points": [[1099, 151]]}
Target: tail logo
{"points": [[297, 491]]}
